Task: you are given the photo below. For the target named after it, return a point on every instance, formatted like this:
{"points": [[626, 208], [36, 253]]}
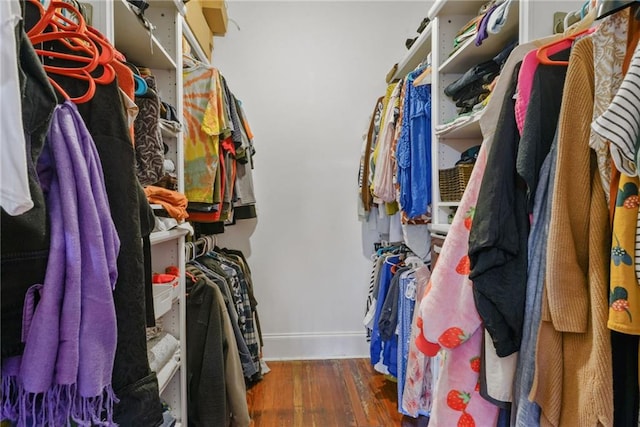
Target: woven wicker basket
{"points": [[453, 181]]}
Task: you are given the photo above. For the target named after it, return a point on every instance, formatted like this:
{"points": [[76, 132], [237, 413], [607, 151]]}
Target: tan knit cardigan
{"points": [[573, 381]]}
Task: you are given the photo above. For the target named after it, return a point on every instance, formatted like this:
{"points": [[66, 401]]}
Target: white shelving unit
{"points": [[527, 20], [465, 130], [138, 44], [159, 49], [168, 249], [416, 54], [167, 236]]}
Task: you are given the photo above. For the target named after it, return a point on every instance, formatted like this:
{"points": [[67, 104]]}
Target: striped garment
{"points": [[620, 123], [371, 298]]}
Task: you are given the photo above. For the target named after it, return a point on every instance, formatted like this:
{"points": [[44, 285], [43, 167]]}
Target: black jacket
{"points": [[498, 238], [134, 383], [206, 349], [541, 122], [25, 238]]}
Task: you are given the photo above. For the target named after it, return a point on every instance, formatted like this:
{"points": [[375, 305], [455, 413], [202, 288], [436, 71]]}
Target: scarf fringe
{"points": [[56, 407]]}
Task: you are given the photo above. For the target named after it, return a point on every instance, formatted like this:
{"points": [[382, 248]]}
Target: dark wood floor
{"points": [[326, 393]]}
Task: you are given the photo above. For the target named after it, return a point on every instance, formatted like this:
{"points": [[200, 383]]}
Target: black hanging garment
{"points": [[498, 238], [207, 400], [25, 238], [133, 382]]}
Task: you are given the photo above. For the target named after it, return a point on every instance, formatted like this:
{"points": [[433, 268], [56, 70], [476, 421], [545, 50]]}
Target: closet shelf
{"points": [[467, 130], [455, 7], [448, 204], [440, 228], [129, 34], [414, 56], [469, 54], [167, 373], [165, 236]]}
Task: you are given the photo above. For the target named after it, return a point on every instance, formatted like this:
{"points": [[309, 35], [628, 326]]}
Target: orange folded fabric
{"points": [[173, 202]]}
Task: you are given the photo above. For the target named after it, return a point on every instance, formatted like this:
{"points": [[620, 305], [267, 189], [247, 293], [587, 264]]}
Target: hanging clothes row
{"points": [[224, 342], [517, 304], [73, 279], [397, 280], [219, 148], [394, 179]]}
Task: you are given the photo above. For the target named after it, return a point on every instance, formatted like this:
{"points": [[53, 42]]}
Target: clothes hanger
{"points": [[188, 246], [59, 22], [141, 86], [424, 78], [206, 244], [584, 9], [388, 249], [559, 45], [86, 45], [53, 23], [609, 7], [49, 16], [189, 61], [89, 46], [571, 18], [581, 28], [107, 54], [79, 73], [91, 88], [413, 261], [202, 242], [211, 240]]}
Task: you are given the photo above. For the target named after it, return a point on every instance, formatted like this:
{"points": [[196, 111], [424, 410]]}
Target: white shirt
{"points": [[15, 197]]}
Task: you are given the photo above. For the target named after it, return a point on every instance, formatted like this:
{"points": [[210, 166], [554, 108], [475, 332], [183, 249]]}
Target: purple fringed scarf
{"points": [[70, 334]]}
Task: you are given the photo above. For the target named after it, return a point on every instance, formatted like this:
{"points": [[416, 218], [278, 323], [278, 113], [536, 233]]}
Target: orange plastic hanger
{"points": [[89, 48], [84, 45], [54, 20], [91, 89], [557, 46], [107, 55]]}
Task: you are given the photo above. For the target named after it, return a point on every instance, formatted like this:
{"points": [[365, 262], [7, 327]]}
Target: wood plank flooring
{"points": [[326, 393]]}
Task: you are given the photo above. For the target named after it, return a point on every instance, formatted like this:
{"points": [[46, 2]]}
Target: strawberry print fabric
{"points": [[451, 325], [419, 376]]}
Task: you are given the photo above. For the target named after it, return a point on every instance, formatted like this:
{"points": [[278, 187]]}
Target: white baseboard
{"points": [[315, 345]]}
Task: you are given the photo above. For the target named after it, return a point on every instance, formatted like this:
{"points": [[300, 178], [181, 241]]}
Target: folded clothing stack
{"points": [[173, 202], [472, 27], [474, 85], [160, 350], [168, 420], [469, 156]]}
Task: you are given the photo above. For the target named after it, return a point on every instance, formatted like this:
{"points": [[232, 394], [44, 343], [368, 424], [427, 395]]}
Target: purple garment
{"points": [[482, 28], [70, 335]]}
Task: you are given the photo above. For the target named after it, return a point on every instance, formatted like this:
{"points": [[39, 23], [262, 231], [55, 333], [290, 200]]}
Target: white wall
{"points": [[308, 74]]}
